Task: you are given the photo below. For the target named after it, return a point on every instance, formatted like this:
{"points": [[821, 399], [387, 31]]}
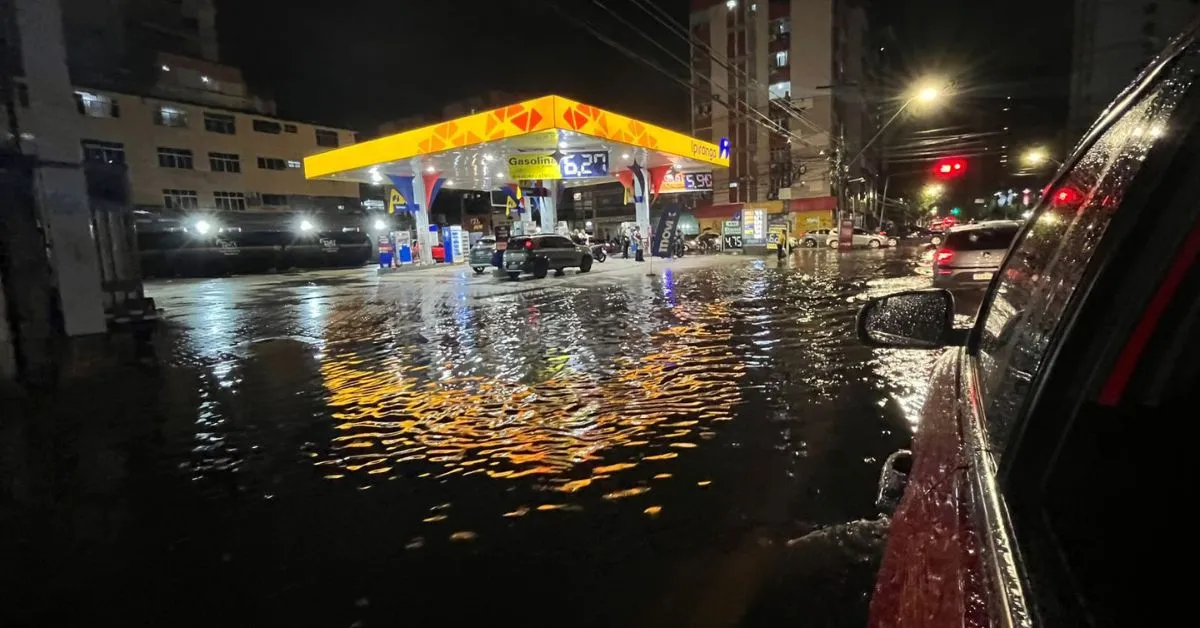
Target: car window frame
{"points": [[1130, 98], [1143, 190]]}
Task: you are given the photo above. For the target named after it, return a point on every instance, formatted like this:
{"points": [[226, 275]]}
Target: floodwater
{"points": [[696, 447]]}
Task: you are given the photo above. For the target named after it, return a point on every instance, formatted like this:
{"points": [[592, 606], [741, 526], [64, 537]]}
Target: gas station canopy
{"points": [[546, 138]]}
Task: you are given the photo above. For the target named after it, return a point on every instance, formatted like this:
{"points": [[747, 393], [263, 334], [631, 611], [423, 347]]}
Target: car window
{"points": [[860, 232], [982, 239], [1046, 265], [518, 242]]}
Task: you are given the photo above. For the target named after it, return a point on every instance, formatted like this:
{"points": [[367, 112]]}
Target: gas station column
{"points": [[549, 213], [641, 202], [421, 216]]}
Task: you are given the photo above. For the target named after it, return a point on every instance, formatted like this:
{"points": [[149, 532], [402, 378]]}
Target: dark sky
{"points": [[361, 62], [357, 63]]}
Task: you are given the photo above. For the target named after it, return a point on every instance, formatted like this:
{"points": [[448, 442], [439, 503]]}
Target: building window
{"points": [[174, 158], [266, 126], [103, 152], [170, 116], [224, 162], [23, 95], [289, 128], [277, 200], [220, 123], [230, 201], [782, 89], [292, 163], [781, 59], [327, 138], [180, 199], [272, 163], [97, 105]]}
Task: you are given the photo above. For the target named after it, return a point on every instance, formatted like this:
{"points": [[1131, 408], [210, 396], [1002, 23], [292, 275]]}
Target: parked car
{"points": [[818, 237], [539, 254], [861, 238], [971, 254], [1048, 470], [482, 254]]}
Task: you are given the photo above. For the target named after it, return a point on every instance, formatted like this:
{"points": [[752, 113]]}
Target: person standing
{"points": [[625, 244]]}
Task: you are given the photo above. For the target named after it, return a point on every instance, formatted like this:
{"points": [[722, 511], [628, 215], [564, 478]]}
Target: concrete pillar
{"points": [[549, 215], [641, 204], [60, 188], [422, 214]]}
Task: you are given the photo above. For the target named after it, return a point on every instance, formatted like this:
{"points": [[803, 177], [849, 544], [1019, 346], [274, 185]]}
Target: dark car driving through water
{"points": [[1045, 473], [539, 254]]}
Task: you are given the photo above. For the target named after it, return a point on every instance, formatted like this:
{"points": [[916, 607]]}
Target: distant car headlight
{"points": [[380, 225], [307, 226]]}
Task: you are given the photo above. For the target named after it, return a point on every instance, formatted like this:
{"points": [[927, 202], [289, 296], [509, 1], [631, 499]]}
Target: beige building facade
{"points": [[189, 156]]}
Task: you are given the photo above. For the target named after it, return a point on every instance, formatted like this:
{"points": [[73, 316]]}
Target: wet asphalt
{"points": [[691, 443]]}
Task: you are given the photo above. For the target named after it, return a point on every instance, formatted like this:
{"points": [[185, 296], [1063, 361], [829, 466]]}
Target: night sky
{"points": [[357, 63]]}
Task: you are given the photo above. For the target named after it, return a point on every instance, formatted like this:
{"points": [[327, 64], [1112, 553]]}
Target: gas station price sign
{"points": [[584, 164]]}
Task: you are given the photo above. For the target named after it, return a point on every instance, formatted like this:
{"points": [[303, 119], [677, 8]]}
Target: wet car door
{"points": [[561, 251], [986, 443]]}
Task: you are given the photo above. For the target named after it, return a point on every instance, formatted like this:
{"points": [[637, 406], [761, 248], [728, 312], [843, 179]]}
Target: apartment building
{"points": [[789, 83], [197, 154]]}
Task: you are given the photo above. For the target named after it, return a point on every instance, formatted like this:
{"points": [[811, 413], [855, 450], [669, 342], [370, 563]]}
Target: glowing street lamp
{"points": [[928, 91], [1035, 157]]}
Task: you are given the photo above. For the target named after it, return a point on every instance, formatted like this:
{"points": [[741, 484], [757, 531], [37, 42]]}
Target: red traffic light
{"points": [[949, 167], [1066, 196]]}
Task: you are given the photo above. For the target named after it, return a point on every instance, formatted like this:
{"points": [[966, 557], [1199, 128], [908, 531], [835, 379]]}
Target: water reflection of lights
{"points": [[394, 419]]}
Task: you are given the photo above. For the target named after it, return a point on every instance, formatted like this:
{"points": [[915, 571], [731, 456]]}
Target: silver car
{"points": [[538, 254], [482, 253], [818, 237], [971, 254], [861, 238]]}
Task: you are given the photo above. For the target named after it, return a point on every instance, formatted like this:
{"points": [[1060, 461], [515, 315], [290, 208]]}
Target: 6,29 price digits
{"points": [[584, 164]]}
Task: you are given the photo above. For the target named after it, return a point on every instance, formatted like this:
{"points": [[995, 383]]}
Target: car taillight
{"points": [[942, 256], [529, 245]]}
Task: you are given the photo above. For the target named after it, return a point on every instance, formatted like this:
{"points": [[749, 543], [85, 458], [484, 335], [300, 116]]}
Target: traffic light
{"points": [[949, 167], [1066, 196], [956, 211]]}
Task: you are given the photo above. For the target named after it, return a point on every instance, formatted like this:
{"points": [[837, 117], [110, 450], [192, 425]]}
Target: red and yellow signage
{"points": [[547, 113]]}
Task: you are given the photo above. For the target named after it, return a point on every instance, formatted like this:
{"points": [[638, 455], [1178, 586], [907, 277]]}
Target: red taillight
{"points": [[529, 245], [942, 256]]}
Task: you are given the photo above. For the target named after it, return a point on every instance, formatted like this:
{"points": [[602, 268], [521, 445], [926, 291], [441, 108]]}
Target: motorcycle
{"points": [[598, 252]]}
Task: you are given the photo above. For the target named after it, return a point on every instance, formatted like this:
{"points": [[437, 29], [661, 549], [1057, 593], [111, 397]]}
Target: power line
{"points": [[679, 30], [591, 29], [767, 119]]}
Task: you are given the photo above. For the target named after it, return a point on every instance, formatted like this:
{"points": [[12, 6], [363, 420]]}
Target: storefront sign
{"points": [[679, 182], [533, 166]]}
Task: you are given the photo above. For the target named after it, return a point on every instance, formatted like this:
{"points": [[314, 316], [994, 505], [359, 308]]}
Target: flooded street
{"points": [[695, 448]]}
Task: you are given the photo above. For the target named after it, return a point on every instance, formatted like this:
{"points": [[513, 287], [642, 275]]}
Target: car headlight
{"points": [[380, 225], [203, 227], [307, 226]]}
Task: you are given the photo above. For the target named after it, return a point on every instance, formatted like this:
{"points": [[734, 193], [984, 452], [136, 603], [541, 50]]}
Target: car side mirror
{"points": [[921, 319]]}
